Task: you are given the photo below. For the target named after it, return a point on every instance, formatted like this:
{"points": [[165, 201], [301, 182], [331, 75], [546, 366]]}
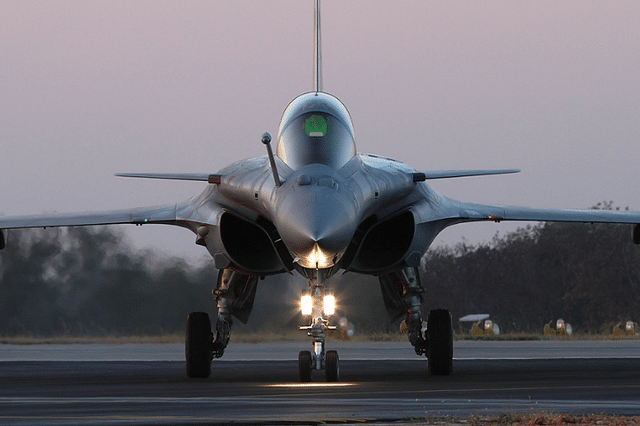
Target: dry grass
{"points": [[31, 340], [530, 419], [288, 336], [500, 337], [557, 419], [533, 336]]}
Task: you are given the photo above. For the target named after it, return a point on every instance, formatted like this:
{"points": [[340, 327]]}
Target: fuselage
{"points": [[329, 208]]}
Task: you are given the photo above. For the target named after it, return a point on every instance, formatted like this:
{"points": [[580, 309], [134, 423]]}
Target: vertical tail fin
{"points": [[317, 52]]}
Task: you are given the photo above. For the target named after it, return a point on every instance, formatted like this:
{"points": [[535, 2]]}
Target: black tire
{"points": [[332, 366], [440, 342], [198, 345], [304, 366]]}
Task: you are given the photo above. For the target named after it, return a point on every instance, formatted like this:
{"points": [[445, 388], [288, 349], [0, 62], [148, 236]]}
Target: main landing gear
{"points": [[235, 293], [402, 294], [314, 304]]}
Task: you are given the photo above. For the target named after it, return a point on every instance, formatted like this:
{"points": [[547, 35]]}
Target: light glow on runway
{"points": [[310, 385]]}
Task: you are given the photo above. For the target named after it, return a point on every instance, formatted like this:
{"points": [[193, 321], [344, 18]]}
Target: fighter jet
{"points": [[317, 207]]}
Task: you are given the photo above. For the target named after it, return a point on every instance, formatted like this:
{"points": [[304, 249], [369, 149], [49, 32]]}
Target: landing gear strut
{"points": [[402, 293], [320, 302]]}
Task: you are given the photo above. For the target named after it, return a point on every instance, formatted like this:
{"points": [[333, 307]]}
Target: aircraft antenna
{"points": [[266, 139], [317, 52]]}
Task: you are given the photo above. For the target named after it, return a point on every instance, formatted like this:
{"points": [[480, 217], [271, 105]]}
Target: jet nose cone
{"points": [[322, 239], [316, 227]]}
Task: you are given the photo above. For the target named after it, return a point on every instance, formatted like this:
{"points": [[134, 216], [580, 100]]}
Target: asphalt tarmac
{"points": [[257, 383]]}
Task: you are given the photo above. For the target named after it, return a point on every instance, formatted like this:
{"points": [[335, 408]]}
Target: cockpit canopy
{"points": [[316, 128]]}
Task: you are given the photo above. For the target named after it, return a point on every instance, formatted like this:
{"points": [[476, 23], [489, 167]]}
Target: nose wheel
{"points": [[332, 366], [317, 360], [307, 363]]}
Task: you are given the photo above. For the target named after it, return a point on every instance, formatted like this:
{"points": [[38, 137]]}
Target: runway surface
{"points": [[257, 383]]}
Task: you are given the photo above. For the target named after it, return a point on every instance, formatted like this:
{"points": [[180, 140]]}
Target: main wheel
{"points": [[440, 342], [304, 366], [332, 366], [197, 345]]}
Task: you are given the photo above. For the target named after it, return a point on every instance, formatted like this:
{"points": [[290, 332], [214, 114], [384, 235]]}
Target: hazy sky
{"points": [[89, 89]]}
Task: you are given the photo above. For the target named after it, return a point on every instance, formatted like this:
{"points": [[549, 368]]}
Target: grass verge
{"points": [[289, 336]]}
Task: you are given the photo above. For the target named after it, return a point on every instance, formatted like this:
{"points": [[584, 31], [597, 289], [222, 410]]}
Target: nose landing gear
{"points": [[320, 302]]}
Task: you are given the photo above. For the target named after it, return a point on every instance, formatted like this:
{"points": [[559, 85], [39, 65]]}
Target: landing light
{"points": [[306, 304], [329, 305], [317, 259]]}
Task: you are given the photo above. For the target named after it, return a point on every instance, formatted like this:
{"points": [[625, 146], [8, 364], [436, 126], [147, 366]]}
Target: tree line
{"points": [[586, 274], [89, 281]]}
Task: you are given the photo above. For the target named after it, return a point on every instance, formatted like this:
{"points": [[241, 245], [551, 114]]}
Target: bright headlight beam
{"points": [[306, 304], [317, 258], [329, 305]]}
